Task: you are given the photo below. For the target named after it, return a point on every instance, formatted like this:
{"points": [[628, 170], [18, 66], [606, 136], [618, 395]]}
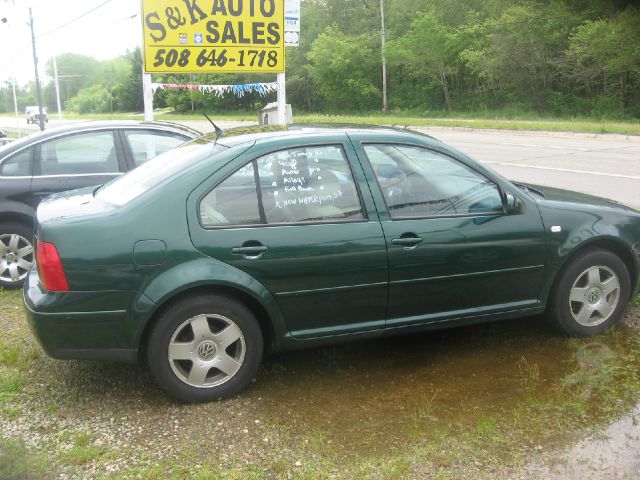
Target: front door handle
{"points": [[407, 242], [250, 251]]}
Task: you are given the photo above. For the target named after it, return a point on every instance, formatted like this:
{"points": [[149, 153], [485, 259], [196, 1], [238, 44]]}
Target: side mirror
{"points": [[511, 204]]}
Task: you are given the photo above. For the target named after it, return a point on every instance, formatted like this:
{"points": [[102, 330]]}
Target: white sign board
{"points": [[292, 23]]}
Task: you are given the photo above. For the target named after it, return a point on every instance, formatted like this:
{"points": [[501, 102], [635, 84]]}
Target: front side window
{"points": [[305, 184], [82, 154], [19, 165], [146, 144], [418, 182]]}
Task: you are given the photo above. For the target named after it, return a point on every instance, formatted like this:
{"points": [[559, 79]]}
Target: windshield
{"points": [[156, 171]]}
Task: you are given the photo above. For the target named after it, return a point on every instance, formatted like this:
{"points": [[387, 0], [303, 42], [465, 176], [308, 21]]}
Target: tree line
{"points": [[549, 57]]}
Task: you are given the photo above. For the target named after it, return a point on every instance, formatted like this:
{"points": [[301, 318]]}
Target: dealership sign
{"points": [[204, 36]]}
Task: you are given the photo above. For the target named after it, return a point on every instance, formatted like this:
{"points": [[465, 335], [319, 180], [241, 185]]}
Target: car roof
{"points": [[238, 135], [92, 124], [98, 125]]}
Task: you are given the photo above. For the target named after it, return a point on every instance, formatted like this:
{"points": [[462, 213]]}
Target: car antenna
{"points": [[219, 131]]}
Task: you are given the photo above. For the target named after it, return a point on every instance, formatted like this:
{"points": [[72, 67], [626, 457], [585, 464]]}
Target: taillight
{"points": [[50, 268]]}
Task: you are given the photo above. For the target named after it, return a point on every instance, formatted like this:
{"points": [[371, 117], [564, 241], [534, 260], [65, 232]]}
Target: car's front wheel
{"points": [[16, 254], [204, 347], [590, 294]]}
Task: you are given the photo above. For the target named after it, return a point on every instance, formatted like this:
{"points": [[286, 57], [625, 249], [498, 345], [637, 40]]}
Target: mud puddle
{"points": [[380, 396], [612, 453]]}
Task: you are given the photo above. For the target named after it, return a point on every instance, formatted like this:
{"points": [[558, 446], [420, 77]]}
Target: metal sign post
{"points": [[282, 99], [147, 93]]}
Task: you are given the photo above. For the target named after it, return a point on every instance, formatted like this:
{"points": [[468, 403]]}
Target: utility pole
{"points": [[15, 105], [384, 60], [35, 66], [55, 74]]}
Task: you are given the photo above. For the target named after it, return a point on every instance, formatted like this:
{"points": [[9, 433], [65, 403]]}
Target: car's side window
{"points": [[19, 165], [233, 202], [146, 144], [305, 184], [85, 153], [418, 182]]}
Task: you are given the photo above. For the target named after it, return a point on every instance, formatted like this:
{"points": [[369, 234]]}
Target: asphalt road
{"points": [[603, 165]]}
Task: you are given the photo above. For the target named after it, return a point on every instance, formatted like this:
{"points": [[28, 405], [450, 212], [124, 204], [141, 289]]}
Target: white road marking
{"points": [[546, 146], [631, 177]]}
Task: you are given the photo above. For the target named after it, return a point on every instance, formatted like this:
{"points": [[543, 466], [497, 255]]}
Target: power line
{"points": [[128, 17], [75, 19]]}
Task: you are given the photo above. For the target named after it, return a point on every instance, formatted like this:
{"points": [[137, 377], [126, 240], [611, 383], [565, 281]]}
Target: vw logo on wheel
{"points": [[207, 350], [594, 296]]}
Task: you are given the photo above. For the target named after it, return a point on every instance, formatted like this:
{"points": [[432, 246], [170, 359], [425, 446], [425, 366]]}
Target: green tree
{"points": [[94, 99], [345, 70], [426, 51], [74, 72], [605, 56]]}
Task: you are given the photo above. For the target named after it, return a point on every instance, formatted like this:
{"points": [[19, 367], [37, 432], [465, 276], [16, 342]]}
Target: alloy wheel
{"points": [[206, 350], [594, 296], [16, 258]]}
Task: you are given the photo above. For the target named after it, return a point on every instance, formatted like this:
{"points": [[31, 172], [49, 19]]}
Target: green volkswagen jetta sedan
{"points": [[271, 238]]}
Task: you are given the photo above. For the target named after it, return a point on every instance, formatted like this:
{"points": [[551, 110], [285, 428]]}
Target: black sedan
{"points": [[67, 158]]}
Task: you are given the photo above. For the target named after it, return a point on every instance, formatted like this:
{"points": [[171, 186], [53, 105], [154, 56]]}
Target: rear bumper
{"points": [[82, 325]]}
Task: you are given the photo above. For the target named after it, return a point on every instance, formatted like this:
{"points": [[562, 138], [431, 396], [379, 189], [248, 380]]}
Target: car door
{"points": [[141, 145], [453, 251], [75, 161], [297, 219]]}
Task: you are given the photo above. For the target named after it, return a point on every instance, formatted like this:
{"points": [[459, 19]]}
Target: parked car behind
{"points": [[32, 114], [4, 139], [66, 158], [229, 246]]}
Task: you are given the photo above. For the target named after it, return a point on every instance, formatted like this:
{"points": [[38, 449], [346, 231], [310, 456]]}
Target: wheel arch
{"points": [[264, 318], [610, 244], [18, 217]]}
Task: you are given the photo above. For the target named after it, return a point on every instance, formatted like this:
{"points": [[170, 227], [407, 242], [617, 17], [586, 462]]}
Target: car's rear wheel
{"points": [[205, 347], [590, 294], [16, 254]]}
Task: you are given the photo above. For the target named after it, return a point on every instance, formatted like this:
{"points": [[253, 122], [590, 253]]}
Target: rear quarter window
{"points": [[18, 165]]}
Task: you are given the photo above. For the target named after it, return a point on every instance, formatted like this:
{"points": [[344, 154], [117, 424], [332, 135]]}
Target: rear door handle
{"points": [[406, 242], [254, 251]]}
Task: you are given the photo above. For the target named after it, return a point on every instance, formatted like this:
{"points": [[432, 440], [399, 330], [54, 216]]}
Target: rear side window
{"points": [[235, 201], [146, 144], [85, 153], [18, 165], [305, 184]]}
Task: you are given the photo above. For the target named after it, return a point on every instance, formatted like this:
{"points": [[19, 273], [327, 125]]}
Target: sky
{"points": [[104, 33]]}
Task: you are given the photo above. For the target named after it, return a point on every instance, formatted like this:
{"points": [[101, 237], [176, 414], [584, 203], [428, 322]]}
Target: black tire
{"points": [[13, 257], [179, 326], [596, 308]]}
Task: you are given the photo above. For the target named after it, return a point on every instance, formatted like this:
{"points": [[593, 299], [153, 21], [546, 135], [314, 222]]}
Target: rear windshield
{"points": [[156, 171]]}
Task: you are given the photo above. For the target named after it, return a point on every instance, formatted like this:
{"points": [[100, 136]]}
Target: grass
{"points": [[553, 125], [482, 120], [19, 463]]}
